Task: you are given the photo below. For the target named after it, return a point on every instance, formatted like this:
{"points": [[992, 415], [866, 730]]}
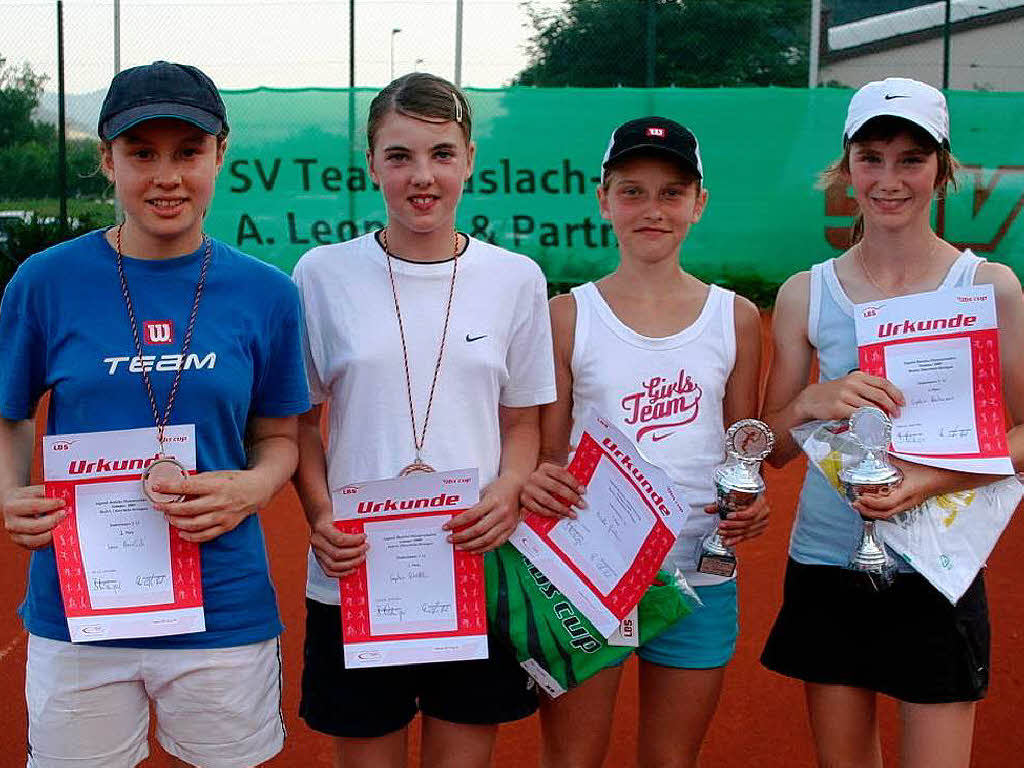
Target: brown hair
{"points": [[886, 128], [423, 96]]}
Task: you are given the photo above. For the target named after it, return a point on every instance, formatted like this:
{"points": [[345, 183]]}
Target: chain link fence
{"points": [[241, 44], [247, 44]]}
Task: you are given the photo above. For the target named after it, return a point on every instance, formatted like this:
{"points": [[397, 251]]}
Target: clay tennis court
{"points": [[761, 719]]}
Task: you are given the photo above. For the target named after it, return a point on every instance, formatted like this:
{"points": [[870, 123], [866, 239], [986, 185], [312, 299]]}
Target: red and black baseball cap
{"points": [[657, 135], [161, 89]]}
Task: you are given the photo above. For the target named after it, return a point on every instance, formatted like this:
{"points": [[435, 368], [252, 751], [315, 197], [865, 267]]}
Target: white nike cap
{"points": [[899, 97]]}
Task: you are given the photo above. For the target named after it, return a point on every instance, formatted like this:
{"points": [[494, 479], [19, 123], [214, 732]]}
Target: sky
{"points": [[276, 43]]}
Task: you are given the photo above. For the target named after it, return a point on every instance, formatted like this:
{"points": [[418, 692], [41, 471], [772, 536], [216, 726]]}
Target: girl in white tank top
{"points": [[671, 361], [664, 392]]}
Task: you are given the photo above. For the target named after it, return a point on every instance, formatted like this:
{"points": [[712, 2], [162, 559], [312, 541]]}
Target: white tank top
{"points": [[665, 394]]}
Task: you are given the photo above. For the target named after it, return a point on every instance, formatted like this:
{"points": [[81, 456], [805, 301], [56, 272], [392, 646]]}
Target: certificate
{"points": [[941, 349], [605, 559], [416, 599], [123, 571]]}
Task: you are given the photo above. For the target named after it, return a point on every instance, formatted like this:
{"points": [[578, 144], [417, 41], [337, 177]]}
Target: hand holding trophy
{"points": [[871, 429], [738, 484]]}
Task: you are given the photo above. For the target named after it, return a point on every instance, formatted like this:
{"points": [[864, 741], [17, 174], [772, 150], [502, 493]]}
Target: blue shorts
{"points": [[703, 640]]}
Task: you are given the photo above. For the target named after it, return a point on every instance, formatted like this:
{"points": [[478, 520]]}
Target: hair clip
{"points": [[458, 107]]}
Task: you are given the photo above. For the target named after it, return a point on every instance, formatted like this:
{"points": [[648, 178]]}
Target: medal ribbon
{"points": [[418, 439], [161, 422]]}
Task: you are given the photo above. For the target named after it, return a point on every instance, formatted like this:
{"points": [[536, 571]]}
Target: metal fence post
{"points": [[652, 38], [62, 147], [945, 45], [814, 48]]}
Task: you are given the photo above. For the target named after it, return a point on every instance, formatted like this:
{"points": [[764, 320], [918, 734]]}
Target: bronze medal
{"points": [[162, 470]]}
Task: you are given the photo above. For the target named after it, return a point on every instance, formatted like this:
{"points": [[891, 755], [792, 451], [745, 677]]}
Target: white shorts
{"points": [[88, 706]]}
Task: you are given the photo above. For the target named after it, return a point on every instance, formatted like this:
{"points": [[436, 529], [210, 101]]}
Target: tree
{"points": [[28, 147], [19, 96], [699, 43]]}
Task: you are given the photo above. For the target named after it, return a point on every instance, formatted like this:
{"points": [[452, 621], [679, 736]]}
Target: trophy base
{"points": [[717, 565], [872, 581], [877, 570]]}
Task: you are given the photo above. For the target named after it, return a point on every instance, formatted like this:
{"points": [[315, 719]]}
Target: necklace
{"points": [[165, 467], [862, 262], [419, 438]]}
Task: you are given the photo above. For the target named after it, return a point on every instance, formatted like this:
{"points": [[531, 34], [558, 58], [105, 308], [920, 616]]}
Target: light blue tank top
{"points": [[827, 530]]}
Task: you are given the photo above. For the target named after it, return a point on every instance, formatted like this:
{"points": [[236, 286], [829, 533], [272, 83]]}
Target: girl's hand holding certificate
{"points": [[216, 502], [339, 554], [553, 491], [30, 517], [487, 524], [833, 400]]}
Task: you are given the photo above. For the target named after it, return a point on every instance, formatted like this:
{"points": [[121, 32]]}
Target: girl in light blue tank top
{"points": [[845, 641], [827, 529]]}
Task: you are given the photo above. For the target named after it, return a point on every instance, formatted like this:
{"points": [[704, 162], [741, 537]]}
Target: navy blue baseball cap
{"points": [[161, 89], [658, 135]]}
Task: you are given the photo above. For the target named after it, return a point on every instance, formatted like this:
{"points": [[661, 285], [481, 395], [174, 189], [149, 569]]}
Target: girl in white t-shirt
{"points": [[433, 350], [671, 361]]}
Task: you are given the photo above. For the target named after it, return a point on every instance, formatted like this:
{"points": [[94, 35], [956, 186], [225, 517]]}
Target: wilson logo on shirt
{"points": [[662, 405], [158, 332]]}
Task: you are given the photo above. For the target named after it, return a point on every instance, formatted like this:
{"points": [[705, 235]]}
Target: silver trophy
{"points": [[738, 484], [871, 430]]}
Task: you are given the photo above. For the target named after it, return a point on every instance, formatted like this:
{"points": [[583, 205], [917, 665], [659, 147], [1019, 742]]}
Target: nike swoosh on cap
{"points": [[890, 96], [475, 338]]}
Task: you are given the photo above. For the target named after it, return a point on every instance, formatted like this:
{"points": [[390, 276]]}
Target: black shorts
{"points": [[365, 703], [906, 641]]}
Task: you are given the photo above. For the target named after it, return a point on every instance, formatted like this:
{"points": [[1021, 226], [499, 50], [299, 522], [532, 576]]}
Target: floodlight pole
{"points": [[117, 36], [394, 32], [814, 49], [458, 43]]}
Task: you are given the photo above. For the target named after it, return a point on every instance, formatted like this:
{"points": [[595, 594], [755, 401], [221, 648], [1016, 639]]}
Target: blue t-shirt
{"points": [[64, 328]]}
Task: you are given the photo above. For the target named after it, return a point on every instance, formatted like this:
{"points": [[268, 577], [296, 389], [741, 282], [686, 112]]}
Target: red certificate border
{"points": [[470, 592], [186, 571], [644, 568], [989, 410]]}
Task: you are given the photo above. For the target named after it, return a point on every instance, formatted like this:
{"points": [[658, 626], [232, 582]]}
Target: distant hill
{"points": [[83, 111]]}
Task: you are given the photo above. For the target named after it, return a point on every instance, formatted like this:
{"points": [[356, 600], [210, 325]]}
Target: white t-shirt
{"points": [[498, 352], [666, 395]]}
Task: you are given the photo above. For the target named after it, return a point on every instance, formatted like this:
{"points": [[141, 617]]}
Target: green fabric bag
{"points": [[554, 642]]}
